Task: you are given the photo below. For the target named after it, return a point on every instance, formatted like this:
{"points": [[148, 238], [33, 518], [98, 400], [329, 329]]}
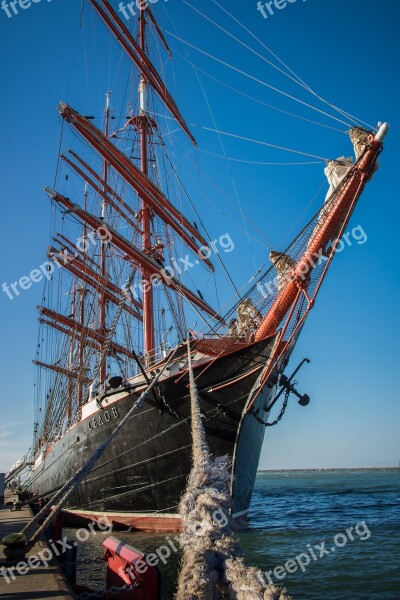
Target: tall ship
{"points": [[120, 303]]}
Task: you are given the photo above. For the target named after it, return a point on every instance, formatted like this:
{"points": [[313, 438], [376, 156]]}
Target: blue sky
{"points": [[348, 52]]}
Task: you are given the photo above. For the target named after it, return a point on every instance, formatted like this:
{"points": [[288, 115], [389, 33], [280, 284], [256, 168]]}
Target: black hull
{"points": [[146, 467]]}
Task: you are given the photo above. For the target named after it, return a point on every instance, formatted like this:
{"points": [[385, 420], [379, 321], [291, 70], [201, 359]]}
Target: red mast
{"points": [[82, 316], [103, 247], [153, 202], [148, 296]]}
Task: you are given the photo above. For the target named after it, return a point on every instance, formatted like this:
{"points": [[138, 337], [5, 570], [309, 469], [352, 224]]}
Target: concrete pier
{"points": [[43, 580]]}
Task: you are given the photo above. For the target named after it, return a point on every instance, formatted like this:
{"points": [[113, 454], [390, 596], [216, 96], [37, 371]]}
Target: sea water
{"points": [[331, 535]]}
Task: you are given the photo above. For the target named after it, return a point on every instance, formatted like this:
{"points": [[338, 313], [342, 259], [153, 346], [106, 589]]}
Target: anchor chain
{"points": [[279, 417]]}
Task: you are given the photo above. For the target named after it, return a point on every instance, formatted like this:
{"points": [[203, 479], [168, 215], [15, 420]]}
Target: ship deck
{"points": [[38, 583]]}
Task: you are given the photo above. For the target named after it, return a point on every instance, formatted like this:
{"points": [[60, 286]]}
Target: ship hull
{"points": [[140, 478]]}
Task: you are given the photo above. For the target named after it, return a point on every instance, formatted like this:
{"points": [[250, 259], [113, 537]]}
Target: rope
{"points": [[297, 79], [212, 559], [239, 41], [264, 83], [257, 162], [246, 139], [271, 106], [234, 186], [69, 487], [202, 224]]}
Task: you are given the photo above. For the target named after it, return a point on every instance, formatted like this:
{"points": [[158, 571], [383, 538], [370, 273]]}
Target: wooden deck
{"points": [[39, 581]]}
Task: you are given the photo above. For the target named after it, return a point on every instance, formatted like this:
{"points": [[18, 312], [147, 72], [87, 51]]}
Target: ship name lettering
{"points": [[95, 422]]}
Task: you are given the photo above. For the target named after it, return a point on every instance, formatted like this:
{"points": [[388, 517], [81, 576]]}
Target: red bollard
{"points": [[56, 527], [128, 566]]}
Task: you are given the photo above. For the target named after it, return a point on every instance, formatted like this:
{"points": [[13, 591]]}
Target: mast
{"points": [[103, 247], [136, 51], [153, 203], [71, 386], [148, 295], [82, 313]]}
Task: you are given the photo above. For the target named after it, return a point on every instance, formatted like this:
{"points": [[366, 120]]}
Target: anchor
{"points": [[288, 384]]}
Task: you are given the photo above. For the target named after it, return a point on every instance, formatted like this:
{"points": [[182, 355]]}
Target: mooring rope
{"points": [[60, 497], [212, 560]]}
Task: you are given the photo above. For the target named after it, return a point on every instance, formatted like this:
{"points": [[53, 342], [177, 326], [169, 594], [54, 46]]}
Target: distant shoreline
{"points": [[331, 469]]}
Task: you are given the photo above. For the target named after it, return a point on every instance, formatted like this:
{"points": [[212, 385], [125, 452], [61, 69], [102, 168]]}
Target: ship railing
{"points": [[18, 467]]}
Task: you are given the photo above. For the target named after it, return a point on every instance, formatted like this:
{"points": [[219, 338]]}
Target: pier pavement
{"points": [[18, 581]]}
